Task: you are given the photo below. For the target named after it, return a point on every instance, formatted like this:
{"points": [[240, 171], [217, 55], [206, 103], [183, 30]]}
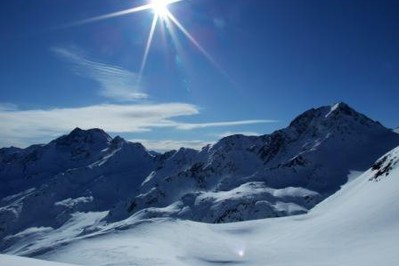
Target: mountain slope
{"points": [[83, 171], [356, 226], [247, 177], [86, 179]]}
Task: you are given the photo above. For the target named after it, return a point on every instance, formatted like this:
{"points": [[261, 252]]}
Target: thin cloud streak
{"points": [[168, 145], [116, 83], [229, 133], [191, 126], [19, 127], [8, 107], [23, 126]]}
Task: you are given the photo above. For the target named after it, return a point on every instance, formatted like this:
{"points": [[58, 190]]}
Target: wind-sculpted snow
{"points": [[358, 225], [253, 200], [239, 178]]}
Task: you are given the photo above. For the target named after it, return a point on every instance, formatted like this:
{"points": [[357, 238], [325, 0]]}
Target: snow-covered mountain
{"points": [[83, 171], [248, 177], [86, 179], [358, 225]]}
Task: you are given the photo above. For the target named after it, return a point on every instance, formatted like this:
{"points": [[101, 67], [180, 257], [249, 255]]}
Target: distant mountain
{"points": [[396, 130], [238, 178], [86, 170]]}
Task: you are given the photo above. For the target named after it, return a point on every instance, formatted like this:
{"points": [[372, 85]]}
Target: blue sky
{"points": [[259, 64]]}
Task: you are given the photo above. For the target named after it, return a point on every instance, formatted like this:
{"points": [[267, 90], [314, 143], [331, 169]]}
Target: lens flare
{"points": [[161, 12], [241, 253], [160, 7], [147, 49]]}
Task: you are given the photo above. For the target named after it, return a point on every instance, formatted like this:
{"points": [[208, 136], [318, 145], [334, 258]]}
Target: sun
{"points": [[161, 11], [160, 7]]}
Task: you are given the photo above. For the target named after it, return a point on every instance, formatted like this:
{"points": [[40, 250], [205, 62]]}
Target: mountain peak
{"points": [[90, 136], [331, 116], [341, 108], [341, 105]]}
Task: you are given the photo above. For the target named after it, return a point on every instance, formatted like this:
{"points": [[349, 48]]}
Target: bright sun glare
{"points": [[160, 7], [161, 12]]}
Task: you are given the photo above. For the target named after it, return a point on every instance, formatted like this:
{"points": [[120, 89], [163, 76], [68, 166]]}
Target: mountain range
{"points": [[358, 225], [87, 180]]}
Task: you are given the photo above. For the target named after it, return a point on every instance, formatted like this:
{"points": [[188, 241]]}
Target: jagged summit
{"points": [[342, 107], [336, 116], [324, 112], [90, 136], [342, 110]]}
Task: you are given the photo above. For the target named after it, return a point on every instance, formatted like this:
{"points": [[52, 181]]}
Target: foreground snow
{"points": [[359, 225], [8, 260]]}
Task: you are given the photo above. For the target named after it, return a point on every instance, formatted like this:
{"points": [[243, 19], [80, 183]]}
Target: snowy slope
{"points": [[85, 180], [20, 261], [80, 172], [358, 225], [314, 155]]}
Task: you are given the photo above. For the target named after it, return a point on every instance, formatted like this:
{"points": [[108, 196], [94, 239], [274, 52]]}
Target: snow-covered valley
{"points": [[88, 199]]}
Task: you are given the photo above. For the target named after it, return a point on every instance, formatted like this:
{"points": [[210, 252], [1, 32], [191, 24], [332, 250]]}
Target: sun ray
{"points": [[198, 46], [190, 37], [161, 12], [172, 33], [111, 15], [162, 28], [147, 49], [160, 7]]}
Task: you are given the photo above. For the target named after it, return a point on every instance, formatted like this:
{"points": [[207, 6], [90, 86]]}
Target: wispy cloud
{"points": [[115, 82], [8, 107], [18, 126], [229, 133], [167, 145], [22, 127], [190, 126]]}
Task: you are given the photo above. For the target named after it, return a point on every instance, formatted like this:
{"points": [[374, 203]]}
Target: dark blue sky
{"points": [[275, 59]]}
